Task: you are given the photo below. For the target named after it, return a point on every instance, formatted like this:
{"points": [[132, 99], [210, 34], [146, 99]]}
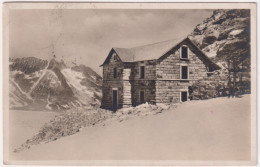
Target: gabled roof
{"points": [[125, 54], [150, 52], [146, 52]]}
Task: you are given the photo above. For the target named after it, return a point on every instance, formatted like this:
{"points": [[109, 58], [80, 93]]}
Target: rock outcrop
{"points": [[224, 37]]}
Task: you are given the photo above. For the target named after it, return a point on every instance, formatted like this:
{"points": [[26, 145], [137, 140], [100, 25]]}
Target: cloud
{"points": [[88, 35]]}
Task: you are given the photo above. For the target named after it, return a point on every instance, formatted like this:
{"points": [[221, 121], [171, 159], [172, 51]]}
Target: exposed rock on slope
{"points": [[224, 37], [38, 85], [27, 65], [225, 34]]}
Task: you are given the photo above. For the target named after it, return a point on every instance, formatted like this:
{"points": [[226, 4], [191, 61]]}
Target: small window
{"points": [[114, 57], [115, 72], [142, 72], [184, 96], [184, 52], [141, 97], [184, 72]]}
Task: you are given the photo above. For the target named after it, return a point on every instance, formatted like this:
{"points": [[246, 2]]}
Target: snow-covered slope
{"points": [[39, 85], [215, 129]]}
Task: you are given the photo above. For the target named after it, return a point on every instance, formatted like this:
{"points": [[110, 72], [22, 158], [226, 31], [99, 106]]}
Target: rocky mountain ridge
{"points": [[37, 84], [225, 38], [224, 35]]}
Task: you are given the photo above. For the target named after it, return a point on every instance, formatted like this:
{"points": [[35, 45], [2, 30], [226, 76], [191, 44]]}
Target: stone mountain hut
{"points": [[156, 73]]}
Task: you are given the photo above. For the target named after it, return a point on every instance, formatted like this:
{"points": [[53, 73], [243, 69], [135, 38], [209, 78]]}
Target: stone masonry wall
{"points": [[162, 82], [129, 83], [169, 91], [150, 70], [127, 96], [168, 73], [107, 98], [109, 82], [147, 84], [108, 71]]}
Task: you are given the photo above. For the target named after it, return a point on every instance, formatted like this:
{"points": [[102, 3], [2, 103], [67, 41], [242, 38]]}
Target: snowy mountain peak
{"points": [[50, 85]]}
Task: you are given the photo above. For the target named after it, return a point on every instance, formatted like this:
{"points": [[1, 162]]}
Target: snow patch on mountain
{"points": [[74, 78], [18, 98], [84, 94]]}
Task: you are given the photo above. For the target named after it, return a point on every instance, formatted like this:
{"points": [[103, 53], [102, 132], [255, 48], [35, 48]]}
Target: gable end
{"points": [[112, 51], [205, 59]]}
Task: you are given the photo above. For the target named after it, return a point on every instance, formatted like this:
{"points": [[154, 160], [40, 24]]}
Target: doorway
{"points": [[141, 97], [184, 96]]}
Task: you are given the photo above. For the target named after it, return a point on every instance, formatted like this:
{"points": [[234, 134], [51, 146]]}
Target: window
{"points": [[142, 72], [141, 97], [184, 96], [184, 72], [115, 72], [184, 52]]}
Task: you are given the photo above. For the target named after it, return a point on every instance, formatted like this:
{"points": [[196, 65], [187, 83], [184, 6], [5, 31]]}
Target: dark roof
{"points": [[151, 51]]}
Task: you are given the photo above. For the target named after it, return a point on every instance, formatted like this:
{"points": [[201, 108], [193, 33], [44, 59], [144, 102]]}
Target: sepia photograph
{"points": [[129, 84]]}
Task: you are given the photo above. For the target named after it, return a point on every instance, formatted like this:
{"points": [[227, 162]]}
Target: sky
{"points": [[86, 36]]}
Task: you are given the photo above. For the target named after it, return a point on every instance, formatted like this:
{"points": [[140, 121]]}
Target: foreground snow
{"points": [[24, 124], [72, 121], [216, 129]]}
